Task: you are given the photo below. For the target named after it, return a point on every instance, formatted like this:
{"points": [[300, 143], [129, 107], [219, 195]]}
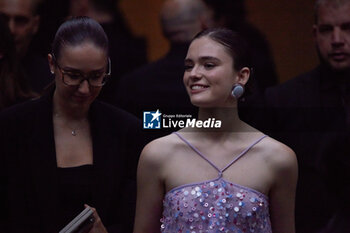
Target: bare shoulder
{"points": [[278, 156], [158, 151]]}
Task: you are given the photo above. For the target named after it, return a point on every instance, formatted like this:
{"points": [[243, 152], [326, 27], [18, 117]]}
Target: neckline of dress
{"points": [[217, 179]]}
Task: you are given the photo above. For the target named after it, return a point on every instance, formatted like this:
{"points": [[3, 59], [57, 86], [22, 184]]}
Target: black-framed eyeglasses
{"points": [[75, 78]]}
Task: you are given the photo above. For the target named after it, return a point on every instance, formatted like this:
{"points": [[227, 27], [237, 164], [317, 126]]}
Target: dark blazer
{"points": [[29, 174], [307, 114]]}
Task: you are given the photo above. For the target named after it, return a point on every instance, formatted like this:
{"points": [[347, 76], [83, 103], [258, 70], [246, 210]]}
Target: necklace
{"points": [[73, 130]]}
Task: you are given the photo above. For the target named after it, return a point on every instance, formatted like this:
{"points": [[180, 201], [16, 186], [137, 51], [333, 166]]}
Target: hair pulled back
{"points": [[77, 31], [234, 44]]}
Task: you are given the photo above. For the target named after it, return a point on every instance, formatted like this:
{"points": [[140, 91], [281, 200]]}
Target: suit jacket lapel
{"points": [[42, 162]]}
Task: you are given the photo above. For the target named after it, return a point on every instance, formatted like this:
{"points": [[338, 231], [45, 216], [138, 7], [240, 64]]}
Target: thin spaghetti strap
{"points": [[243, 152], [197, 151]]}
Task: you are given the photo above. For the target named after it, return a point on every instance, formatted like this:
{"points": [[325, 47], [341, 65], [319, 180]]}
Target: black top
{"points": [[75, 186]]}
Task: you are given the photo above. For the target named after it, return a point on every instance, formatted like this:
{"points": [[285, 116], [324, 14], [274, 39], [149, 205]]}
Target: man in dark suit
{"points": [[232, 14], [23, 20], [159, 85], [311, 113]]}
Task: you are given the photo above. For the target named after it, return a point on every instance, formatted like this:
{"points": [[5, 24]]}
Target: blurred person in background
{"points": [[158, 85], [311, 114], [23, 21], [14, 88], [232, 14], [127, 52]]}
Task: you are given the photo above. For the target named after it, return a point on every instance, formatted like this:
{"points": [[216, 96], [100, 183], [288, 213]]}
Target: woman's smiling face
{"points": [[209, 74]]}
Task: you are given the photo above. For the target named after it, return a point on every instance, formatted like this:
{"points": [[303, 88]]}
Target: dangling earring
{"points": [[237, 91]]}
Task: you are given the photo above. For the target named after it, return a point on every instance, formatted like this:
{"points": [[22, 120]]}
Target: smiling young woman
{"points": [[232, 179]]}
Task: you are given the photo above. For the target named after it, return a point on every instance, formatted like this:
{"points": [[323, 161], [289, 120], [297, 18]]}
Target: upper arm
{"points": [[150, 191], [282, 193]]}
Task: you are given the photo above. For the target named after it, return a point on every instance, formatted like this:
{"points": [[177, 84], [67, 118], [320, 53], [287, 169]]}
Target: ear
{"points": [[36, 23], [51, 63], [243, 76]]}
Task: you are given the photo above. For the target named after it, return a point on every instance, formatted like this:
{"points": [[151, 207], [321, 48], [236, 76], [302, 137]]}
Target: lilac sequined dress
{"points": [[215, 206]]}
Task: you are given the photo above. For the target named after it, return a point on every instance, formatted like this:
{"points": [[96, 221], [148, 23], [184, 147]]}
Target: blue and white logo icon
{"points": [[151, 120]]}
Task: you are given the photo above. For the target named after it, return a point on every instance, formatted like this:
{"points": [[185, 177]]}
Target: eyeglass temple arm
{"points": [[109, 67]]}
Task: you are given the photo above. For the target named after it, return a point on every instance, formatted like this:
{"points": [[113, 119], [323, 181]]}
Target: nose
{"points": [[196, 73], [337, 37], [84, 87], [12, 26]]}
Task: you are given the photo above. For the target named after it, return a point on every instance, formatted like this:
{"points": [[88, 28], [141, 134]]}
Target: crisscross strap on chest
{"points": [[211, 163]]}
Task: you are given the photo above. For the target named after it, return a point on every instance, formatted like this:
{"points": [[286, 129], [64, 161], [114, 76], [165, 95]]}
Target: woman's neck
{"points": [[230, 122], [232, 128]]}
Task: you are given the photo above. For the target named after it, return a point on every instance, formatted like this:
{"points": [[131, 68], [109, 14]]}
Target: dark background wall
{"points": [[286, 24]]}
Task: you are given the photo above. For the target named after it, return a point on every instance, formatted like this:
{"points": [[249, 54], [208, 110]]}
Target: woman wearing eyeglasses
{"points": [[66, 149]]}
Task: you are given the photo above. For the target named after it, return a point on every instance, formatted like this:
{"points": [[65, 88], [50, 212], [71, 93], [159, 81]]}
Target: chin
{"points": [[81, 104], [204, 104], [340, 67], [213, 103], [82, 100], [199, 104]]}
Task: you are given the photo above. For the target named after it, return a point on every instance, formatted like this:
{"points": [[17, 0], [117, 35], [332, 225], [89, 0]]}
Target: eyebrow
{"points": [[345, 24], [331, 25], [204, 58], [71, 69]]}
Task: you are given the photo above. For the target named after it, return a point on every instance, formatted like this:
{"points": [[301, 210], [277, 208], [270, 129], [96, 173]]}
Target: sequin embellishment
{"points": [[215, 206]]}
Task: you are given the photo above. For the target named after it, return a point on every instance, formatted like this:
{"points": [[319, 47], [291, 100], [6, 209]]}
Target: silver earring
{"points": [[237, 91], [52, 72]]}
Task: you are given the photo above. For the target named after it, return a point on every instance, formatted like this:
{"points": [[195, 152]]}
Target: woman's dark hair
{"points": [[234, 44], [76, 31], [14, 87], [236, 47]]}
